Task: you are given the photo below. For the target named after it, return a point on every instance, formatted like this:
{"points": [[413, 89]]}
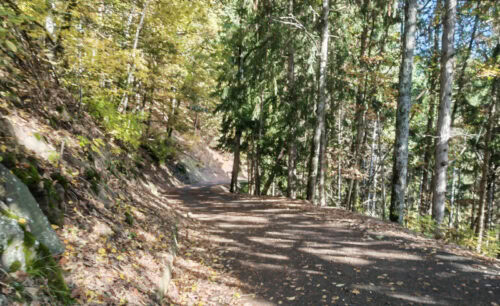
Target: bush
{"points": [[161, 149]]}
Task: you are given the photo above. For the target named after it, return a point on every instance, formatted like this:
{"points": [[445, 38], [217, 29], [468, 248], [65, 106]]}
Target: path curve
{"points": [[290, 253]]}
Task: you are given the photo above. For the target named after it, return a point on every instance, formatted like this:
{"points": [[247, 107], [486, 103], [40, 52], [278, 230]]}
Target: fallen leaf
{"points": [[355, 291]]}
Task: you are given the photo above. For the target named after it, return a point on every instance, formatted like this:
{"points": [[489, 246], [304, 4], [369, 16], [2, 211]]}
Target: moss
{"points": [[51, 203], [53, 122], [93, 177], [9, 160], [9, 214], [28, 175], [129, 218], [44, 266], [15, 266], [29, 239], [60, 179], [92, 174]]}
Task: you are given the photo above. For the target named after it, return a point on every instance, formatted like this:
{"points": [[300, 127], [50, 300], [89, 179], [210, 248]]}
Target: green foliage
{"points": [[93, 176], [44, 266], [28, 174], [15, 266], [126, 127], [423, 224], [129, 218], [161, 149]]}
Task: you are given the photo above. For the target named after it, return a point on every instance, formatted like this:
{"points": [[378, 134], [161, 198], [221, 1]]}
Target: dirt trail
{"points": [[289, 253]]}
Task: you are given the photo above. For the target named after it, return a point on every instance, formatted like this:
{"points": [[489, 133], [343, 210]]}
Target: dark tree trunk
{"points": [[236, 162]]}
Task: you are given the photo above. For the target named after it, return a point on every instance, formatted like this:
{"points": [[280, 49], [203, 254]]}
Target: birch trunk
{"points": [[444, 117], [400, 167], [131, 68]]}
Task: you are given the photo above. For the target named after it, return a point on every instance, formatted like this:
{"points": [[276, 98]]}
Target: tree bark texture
{"points": [[400, 167], [322, 97], [444, 116]]}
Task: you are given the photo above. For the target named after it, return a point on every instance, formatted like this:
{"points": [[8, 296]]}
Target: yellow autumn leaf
{"points": [[102, 251], [22, 221], [54, 226], [120, 257]]}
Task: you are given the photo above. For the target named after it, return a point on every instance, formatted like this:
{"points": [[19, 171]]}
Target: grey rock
{"points": [[21, 202], [3, 300], [6, 129], [12, 244]]}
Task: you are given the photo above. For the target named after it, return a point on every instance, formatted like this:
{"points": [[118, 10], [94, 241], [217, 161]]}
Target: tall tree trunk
{"points": [[292, 142], [452, 200], [322, 97], [492, 120], [375, 156], [382, 181], [491, 199], [400, 167], [322, 168], [339, 160], [131, 68], [444, 117], [236, 162]]}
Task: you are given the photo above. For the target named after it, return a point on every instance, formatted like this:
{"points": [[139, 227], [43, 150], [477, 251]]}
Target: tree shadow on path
{"points": [[291, 254]]}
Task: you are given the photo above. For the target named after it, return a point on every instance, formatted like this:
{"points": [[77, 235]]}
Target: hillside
{"points": [[118, 229]]}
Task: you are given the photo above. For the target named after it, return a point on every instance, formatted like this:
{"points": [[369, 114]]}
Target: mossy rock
{"points": [[51, 201]]}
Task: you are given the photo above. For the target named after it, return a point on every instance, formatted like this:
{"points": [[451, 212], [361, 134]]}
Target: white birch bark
{"points": [[131, 68]]}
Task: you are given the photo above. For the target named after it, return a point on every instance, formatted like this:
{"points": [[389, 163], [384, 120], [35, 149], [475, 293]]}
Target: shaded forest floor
{"points": [[274, 251]]}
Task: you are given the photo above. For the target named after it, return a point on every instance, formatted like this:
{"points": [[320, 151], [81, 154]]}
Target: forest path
{"points": [[290, 253]]}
